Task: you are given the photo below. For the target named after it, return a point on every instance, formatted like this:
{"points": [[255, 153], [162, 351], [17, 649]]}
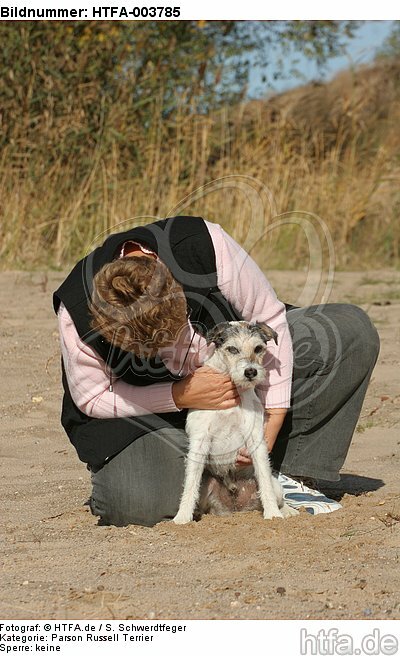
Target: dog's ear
{"points": [[199, 328], [217, 334], [266, 332]]}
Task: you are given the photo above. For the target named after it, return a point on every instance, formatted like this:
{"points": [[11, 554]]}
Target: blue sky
{"points": [[360, 50]]}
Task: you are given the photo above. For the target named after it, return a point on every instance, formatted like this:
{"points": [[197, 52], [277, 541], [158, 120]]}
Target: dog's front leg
{"points": [[262, 470], [257, 447], [253, 416], [196, 460]]}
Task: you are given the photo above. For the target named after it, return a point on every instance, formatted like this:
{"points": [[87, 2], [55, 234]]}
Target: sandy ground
{"points": [[58, 563]]}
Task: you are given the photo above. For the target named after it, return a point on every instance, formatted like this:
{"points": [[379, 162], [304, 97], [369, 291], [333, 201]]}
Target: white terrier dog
{"points": [[215, 436]]}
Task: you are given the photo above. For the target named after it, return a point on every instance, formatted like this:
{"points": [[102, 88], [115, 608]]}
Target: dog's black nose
{"points": [[250, 373]]}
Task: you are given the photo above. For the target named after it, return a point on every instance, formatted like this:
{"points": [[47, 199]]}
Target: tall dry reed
{"points": [[328, 150]]}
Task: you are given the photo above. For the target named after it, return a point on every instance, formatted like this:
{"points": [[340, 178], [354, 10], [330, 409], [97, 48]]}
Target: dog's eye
{"points": [[232, 349], [258, 349]]}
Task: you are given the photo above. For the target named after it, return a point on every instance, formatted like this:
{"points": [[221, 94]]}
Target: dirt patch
{"points": [[58, 563]]}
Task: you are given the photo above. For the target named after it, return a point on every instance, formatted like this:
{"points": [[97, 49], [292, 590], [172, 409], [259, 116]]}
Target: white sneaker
{"points": [[298, 495]]}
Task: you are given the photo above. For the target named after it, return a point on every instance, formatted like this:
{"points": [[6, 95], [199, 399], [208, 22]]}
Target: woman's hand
{"points": [[243, 458], [205, 389]]}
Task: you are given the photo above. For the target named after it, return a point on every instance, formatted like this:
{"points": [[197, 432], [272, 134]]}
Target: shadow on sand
{"points": [[350, 484]]}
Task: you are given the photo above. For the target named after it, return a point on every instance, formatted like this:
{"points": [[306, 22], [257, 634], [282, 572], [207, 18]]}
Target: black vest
{"points": [[184, 244]]}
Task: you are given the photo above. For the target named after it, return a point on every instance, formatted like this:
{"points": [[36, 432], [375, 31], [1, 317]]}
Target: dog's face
{"points": [[240, 348]]}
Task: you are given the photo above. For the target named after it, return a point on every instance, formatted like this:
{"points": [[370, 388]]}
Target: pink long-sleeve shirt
{"points": [[244, 285]]}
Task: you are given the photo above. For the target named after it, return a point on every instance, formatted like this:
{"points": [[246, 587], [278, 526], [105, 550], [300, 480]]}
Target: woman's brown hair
{"points": [[137, 305]]}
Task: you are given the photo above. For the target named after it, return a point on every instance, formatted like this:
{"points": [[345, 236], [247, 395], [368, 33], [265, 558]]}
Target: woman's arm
{"points": [[243, 284], [274, 418]]}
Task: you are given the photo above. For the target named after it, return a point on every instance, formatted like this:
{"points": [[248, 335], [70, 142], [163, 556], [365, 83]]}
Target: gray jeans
{"points": [[335, 349]]}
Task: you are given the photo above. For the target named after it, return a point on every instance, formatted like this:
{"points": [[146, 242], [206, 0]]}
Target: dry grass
{"points": [[328, 150]]}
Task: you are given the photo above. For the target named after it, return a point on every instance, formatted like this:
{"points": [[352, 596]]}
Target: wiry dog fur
{"points": [[215, 436]]}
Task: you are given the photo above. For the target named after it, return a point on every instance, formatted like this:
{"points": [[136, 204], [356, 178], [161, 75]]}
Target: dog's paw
{"points": [[270, 514], [288, 511], [180, 518]]}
